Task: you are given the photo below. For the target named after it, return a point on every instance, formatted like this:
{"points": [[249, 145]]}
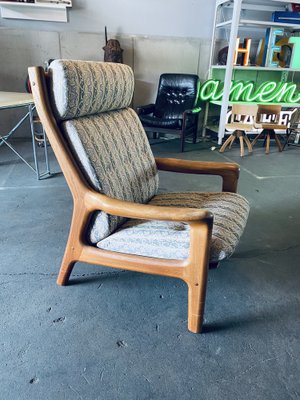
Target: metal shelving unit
{"points": [[234, 24]]}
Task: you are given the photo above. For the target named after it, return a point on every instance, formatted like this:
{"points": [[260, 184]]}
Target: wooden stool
{"points": [[268, 120], [242, 120]]}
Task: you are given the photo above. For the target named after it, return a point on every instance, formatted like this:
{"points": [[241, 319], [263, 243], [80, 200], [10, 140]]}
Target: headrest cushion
{"points": [[81, 88]]}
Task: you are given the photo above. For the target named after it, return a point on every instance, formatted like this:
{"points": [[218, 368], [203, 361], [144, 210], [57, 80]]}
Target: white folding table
{"points": [[12, 100]]}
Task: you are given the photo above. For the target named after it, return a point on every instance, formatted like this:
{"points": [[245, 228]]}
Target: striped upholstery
{"points": [[171, 240], [105, 147], [79, 88], [105, 136]]}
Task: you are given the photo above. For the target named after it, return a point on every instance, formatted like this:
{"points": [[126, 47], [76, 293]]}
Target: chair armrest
{"points": [[147, 109], [228, 171], [97, 201]]}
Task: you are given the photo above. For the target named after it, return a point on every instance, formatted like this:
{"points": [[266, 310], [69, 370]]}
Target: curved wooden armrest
{"points": [[96, 201], [228, 171]]}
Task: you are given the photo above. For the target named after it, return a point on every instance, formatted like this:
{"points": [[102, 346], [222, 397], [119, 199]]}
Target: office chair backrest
{"points": [[176, 93]]}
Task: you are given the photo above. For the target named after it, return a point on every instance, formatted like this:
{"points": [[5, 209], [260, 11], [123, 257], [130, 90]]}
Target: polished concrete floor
{"points": [[119, 335]]}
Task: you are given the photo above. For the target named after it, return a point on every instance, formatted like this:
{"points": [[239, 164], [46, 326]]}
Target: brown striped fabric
{"points": [[170, 240]]}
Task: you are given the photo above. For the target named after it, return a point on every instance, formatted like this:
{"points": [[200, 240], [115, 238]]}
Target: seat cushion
{"points": [[170, 240]]}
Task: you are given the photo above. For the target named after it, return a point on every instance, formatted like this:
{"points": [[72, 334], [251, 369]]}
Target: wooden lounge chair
{"points": [[119, 219]]}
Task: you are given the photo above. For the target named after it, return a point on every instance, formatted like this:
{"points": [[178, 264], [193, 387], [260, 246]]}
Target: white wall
{"points": [[181, 18]]}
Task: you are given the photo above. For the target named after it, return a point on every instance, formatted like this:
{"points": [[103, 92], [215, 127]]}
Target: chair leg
{"points": [[248, 143], [232, 141], [277, 140], [260, 135], [196, 301], [268, 138], [197, 274], [74, 245], [195, 135], [242, 146], [227, 143], [182, 141], [65, 269]]}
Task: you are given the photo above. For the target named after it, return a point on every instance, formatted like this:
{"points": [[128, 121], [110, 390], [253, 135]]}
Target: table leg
{"points": [[46, 152], [30, 109]]}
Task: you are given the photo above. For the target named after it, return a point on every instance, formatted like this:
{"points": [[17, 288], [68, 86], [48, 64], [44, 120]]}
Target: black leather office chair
{"points": [[175, 110]]}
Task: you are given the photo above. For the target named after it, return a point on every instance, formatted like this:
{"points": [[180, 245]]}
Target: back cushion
{"points": [[109, 145]]}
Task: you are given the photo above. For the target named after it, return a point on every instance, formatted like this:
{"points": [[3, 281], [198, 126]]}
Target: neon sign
{"points": [[245, 91]]}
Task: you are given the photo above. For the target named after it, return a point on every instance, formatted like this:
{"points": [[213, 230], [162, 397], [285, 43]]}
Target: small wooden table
{"points": [[12, 100]]}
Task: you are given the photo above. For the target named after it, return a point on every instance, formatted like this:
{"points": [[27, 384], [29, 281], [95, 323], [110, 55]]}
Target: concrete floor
{"points": [[120, 335]]}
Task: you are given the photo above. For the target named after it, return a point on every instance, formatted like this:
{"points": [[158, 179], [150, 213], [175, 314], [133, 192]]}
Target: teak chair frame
{"points": [[86, 200]]}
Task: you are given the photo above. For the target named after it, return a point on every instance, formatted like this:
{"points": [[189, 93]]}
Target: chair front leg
{"points": [[197, 272], [74, 244]]}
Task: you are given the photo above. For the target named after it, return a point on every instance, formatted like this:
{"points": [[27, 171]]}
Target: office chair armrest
{"points": [[228, 171], [96, 201], [147, 109]]}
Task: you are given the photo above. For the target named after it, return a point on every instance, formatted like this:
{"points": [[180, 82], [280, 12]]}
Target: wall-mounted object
{"points": [[39, 10], [112, 50]]}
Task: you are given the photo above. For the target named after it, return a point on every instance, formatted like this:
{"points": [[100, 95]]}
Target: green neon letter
{"points": [[267, 92], [209, 89], [286, 93], [264, 93], [241, 91]]}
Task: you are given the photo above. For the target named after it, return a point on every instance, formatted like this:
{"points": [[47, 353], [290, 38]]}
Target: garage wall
{"points": [[179, 18], [149, 56]]}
